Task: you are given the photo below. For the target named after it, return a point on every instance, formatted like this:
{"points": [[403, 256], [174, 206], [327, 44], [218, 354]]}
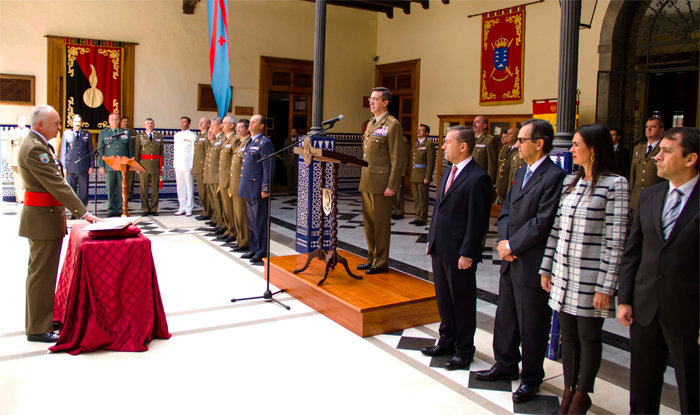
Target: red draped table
{"points": [[108, 295]]}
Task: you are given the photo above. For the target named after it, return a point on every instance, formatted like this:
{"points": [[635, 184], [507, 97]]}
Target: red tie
{"points": [[452, 177]]}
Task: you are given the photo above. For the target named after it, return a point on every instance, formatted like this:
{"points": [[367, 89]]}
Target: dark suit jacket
{"points": [[662, 277], [256, 177], [72, 150], [461, 217], [623, 160], [526, 218]]}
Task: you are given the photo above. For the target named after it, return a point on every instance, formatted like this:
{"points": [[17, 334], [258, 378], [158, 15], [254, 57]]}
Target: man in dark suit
{"points": [[527, 215], [75, 145], [621, 154], [659, 278], [255, 187], [460, 221]]}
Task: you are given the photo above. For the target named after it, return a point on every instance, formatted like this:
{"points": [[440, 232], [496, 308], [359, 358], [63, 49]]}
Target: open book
{"points": [[112, 224]]}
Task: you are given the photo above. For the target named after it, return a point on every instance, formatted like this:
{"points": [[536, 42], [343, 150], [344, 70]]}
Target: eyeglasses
{"points": [[522, 139], [373, 99]]}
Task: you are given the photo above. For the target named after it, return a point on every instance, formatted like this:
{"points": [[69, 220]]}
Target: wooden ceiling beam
{"points": [[404, 5]]}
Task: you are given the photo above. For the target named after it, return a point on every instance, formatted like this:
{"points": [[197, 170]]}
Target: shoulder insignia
{"points": [[44, 158]]}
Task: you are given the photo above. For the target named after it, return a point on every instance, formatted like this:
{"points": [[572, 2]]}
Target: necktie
{"points": [[671, 211], [649, 149], [150, 136], [451, 178], [528, 174]]}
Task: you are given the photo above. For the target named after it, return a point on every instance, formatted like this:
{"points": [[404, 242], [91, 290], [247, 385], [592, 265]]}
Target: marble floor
{"points": [[257, 357]]}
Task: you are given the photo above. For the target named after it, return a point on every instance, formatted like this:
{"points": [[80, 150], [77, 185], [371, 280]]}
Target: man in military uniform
{"points": [[13, 143], [384, 151], [515, 163], [486, 150], [505, 157], [643, 172], [43, 220], [76, 144], [423, 165], [622, 155], [150, 152], [201, 146], [291, 162], [397, 207], [125, 124], [255, 187], [211, 174], [240, 210], [113, 141], [228, 145]]}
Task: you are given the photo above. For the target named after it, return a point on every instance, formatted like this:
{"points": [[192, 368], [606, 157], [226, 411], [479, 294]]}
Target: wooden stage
{"points": [[374, 305]]}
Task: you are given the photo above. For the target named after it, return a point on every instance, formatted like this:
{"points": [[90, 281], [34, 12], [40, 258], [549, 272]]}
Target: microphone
{"points": [[333, 120]]}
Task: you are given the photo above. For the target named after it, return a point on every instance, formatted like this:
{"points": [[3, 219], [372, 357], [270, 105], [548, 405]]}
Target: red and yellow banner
{"points": [[502, 56]]}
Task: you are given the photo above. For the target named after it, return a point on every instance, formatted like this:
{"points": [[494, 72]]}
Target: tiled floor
{"points": [[255, 357]]}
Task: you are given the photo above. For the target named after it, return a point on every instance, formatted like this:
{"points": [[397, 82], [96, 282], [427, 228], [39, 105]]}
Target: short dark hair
{"points": [[426, 128], [465, 135], [386, 94], [149, 119], [598, 138], [245, 122], [541, 130], [616, 130], [689, 140], [661, 122], [486, 120], [126, 118], [189, 121]]}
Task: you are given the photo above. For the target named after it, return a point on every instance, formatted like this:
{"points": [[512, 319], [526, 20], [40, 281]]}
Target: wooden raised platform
{"points": [[374, 305]]}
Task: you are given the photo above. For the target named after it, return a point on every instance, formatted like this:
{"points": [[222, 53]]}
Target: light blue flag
{"points": [[219, 68]]}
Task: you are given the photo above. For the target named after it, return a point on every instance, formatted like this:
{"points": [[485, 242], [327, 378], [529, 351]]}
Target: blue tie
{"points": [[671, 211], [528, 174]]}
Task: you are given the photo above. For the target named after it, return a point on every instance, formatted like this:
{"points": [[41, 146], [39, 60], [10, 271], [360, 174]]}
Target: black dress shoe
{"points": [[230, 239], [495, 374], [240, 248], [526, 392], [375, 270], [220, 231], [57, 325], [256, 259], [249, 255], [50, 337], [397, 217], [221, 238], [201, 217], [437, 350], [153, 213], [413, 222], [73, 217], [210, 223], [458, 363], [420, 223], [363, 267]]}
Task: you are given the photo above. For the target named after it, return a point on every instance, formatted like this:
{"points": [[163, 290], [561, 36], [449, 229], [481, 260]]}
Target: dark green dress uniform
{"points": [[486, 155], [147, 152], [228, 146], [504, 179], [400, 196], [515, 163], [643, 171], [43, 222], [423, 159], [113, 146], [211, 180], [201, 146], [384, 151], [131, 175], [240, 209]]}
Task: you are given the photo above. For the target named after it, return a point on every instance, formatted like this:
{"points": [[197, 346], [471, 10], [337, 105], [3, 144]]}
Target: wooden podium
{"points": [[329, 205], [125, 165]]}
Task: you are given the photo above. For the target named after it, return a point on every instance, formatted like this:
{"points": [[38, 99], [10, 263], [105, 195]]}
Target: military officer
{"points": [[515, 163], [486, 150], [76, 144], [113, 141], [291, 162], [13, 143], [255, 187], [211, 174], [125, 124], [150, 152], [397, 207], [240, 210], [228, 146], [643, 169], [43, 220], [201, 146], [384, 151], [505, 157], [423, 167]]}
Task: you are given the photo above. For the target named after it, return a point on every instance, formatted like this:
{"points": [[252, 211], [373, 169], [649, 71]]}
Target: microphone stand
{"points": [[269, 295]]}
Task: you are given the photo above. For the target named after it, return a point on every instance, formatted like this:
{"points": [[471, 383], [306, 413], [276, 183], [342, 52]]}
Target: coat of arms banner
{"points": [[502, 56]]}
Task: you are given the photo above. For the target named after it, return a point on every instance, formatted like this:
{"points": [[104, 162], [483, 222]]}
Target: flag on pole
{"points": [[218, 54]]}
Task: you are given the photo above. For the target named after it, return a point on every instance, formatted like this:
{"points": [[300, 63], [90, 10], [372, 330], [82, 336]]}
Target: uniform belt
{"points": [[420, 166], [160, 167], [40, 199]]}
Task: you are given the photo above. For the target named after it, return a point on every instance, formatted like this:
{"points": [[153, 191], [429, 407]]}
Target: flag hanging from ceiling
{"points": [[502, 56], [218, 54]]}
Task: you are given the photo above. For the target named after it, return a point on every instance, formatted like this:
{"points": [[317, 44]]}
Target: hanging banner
{"points": [[502, 56], [93, 83], [219, 67]]}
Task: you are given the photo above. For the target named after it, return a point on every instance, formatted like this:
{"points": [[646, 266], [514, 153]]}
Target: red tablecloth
{"points": [[108, 295]]}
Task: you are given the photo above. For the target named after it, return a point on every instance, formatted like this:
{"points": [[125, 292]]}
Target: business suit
{"points": [[503, 179], [74, 146], [211, 180], [201, 146], [400, 196], [486, 155], [109, 146], [460, 221], [153, 148], [256, 178], [422, 168], [659, 279], [240, 209], [523, 314], [643, 171], [622, 155], [44, 224], [228, 145]]}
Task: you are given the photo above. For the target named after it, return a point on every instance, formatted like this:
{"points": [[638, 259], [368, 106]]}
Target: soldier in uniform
{"points": [[211, 174], [516, 162], [505, 156], [75, 145], [423, 165], [125, 124], [643, 170], [201, 146], [486, 150], [228, 146], [399, 200], [621, 153], [43, 220], [150, 152], [113, 141], [255, 187], [240, 210], [13, 143], [384, 151], [291, 162]]}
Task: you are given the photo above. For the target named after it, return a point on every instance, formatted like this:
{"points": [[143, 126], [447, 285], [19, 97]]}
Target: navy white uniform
{"points": [[74, 146]]}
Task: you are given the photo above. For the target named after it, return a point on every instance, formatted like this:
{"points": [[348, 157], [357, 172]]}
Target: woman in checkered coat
{"points": [[580, 267]]}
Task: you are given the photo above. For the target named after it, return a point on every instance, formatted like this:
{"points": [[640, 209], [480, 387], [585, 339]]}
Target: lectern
{"points": [[125, 165]]}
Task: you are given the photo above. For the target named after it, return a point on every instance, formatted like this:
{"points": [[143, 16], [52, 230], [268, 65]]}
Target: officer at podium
{"points": [[113, 141]]}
